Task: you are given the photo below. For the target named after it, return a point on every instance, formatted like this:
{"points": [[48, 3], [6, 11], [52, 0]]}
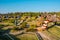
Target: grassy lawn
{"points": [[27, 37], [53, 33]]}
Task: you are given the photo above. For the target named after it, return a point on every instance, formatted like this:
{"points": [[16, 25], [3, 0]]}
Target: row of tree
{"points": [[29, 13]]}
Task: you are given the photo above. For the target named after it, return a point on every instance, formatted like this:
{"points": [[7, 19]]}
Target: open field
{"points": [[28, 36], [53, 33]]}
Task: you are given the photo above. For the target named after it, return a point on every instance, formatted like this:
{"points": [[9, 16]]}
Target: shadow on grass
{"points": [[14, 37], [58, 24], [3, 35], [53, 25], [4, 31], [50, 27]]}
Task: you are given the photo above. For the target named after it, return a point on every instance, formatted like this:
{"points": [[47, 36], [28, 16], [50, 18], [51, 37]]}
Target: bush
{"points": [[15, 28], [32, 30]]}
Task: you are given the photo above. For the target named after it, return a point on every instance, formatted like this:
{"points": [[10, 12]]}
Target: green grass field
{"points": [[53, 33], [27, 37]]}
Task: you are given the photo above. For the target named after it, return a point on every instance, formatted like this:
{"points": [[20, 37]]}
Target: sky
{"points": [[29, 6]]}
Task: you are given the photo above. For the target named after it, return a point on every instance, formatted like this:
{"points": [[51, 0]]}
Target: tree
{"points": [[23, 25]]}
